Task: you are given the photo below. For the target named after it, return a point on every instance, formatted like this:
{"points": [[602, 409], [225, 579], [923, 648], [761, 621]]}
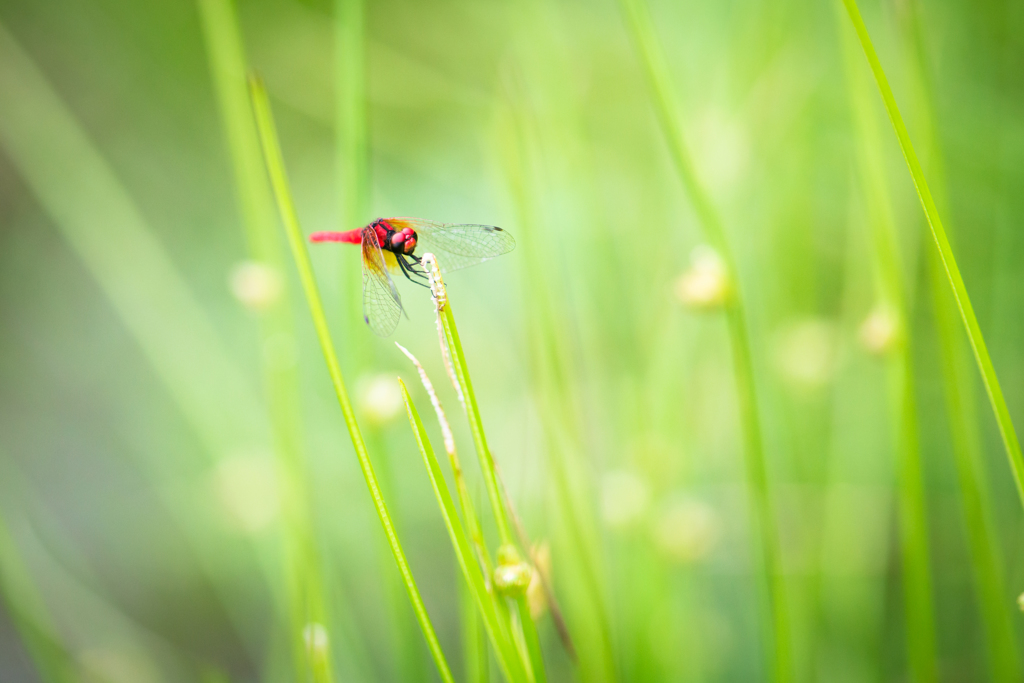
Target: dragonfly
{"points": [[391, 245]]}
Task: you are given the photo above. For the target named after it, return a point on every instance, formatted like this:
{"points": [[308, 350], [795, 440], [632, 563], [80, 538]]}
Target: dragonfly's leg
{"points": [[408, 271], [420, 273]]}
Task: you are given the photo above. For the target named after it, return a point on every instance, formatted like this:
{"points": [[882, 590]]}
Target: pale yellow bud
{"points": [[256, 285], [705, 285], [380, 398], [512, 575], [536, 598], [880, 331]]}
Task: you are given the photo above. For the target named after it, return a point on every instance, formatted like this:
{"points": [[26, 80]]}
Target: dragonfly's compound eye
{"points": [[397, 239], [410, 244]]}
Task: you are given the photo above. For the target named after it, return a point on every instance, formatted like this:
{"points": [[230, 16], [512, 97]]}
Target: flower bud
{"points": [[536, 597], [705, 285], [512, 576], [880, 331], [256, 285], [380, 398]]}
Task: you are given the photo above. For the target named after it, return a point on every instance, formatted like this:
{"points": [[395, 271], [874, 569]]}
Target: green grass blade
{"points": [[982, 538], [983, 544], [532, 640], [551, 359], [913, 509], [279, 182], [963, 301], [305, 592], [775, 625], [476, 424], [504, 650], [474, 645]]}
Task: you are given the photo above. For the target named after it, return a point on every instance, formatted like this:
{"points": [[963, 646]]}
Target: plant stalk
{"points": [[775, 625], [476, 426], [279, 182], [988, 373], [486, 602]]}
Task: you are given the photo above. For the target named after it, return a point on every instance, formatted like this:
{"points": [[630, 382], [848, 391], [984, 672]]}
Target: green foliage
{"points": [[726, 393]]}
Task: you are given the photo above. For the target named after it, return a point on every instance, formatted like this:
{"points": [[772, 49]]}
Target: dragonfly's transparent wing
{"points": [[382, 306], [457, 246]]}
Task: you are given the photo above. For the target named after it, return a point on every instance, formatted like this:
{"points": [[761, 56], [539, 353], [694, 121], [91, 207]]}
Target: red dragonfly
{"points": [[392, 243]]}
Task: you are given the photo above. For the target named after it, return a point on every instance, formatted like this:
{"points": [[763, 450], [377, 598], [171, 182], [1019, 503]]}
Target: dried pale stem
{"points": [[465, 500]]}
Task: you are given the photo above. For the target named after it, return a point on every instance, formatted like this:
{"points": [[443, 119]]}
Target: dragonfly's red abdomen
{"points": [[349, 236]]}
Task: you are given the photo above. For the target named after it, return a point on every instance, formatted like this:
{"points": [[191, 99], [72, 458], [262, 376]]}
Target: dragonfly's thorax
{"points": [[398, 241]]}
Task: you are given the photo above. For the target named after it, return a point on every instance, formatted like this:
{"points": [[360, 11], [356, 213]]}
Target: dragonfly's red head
{"points": [[403, 241]]}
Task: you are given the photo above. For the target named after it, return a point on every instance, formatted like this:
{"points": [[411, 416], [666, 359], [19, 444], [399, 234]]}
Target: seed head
{"points": [[437, 288], [511, 576]]}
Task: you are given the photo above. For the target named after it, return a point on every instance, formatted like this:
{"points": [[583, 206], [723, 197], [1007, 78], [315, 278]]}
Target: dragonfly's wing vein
{"points": [[382, 305], [458, 246]]}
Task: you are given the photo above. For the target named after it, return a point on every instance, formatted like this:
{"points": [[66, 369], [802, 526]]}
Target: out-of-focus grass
{"points": [[130, 376], [894, 302], [776, 627]]}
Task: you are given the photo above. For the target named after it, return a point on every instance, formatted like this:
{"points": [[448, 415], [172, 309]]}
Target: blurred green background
{"points": [[141, 536]]}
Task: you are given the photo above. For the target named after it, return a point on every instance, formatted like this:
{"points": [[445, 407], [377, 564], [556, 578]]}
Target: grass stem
{"points": [[775, 632], [486, 602], [913, 509], [963, 301], [475, 423], [279, 182], [305, 591]]}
